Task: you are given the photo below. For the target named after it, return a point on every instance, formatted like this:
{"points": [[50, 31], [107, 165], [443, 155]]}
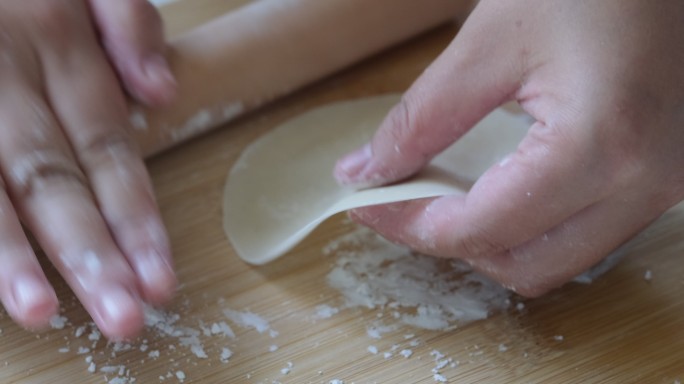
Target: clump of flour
{"points": [[421, 291]]}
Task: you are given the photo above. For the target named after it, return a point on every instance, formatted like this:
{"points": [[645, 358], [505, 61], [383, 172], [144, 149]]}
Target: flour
{"points": [[231, 111], [249, 320], [195, 125], [166, 326], [226, 354], [424, 292], [205, 119], [288, 369], [325, 311], [138, 119], [180, 375], [58, 322], [222, 329], [648, 275]]}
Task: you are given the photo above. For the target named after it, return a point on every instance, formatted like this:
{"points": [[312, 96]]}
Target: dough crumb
{"points": [[648, 275], [58, 322]]}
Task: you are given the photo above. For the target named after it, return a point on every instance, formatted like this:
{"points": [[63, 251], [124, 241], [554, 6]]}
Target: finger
{"points": [[51, 194], [471, 77], [549, 178], [576, 245], [133, 34], [112, 163], [24, 290]]}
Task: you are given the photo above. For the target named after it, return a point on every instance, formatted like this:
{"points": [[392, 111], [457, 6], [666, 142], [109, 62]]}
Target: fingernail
{"points": [[115, 306], [156, 272], [32, 296], [350, 167], [157, 70]]}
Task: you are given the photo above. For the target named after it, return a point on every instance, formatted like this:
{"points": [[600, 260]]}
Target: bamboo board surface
{"points": [[620, 329]]}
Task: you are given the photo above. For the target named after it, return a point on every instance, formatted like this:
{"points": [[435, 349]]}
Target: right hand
{"points": [[604, 83], [69, 170]]}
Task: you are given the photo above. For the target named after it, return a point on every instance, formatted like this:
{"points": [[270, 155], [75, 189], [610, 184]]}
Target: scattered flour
{"points": [[80, 331], [648, 275], [376, 331], [325, 311], [195, 125], [248, 320], [287, 369], [222, 329], [138, 119], [58, 322], [204, 119], [180, 375], [424, 292], [226, 354], [162, 325]]}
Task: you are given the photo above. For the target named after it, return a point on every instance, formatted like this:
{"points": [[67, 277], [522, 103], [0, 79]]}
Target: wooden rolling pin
{"points": [[270, 48]]}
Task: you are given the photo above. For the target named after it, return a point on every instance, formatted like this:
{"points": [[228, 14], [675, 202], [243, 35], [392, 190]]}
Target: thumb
{"points": [[475, 74], [132, 33]]}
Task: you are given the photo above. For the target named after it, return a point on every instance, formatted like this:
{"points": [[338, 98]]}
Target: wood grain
{"points": [[620, 329]]}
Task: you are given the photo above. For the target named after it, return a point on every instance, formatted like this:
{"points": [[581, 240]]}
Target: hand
{"points": [[604, 81], [69, 170]]}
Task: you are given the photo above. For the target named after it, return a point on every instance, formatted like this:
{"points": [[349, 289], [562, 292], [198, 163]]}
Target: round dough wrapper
{"points": [[282, 186]]}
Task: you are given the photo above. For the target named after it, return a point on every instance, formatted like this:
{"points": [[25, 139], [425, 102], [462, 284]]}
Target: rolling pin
{"points": [[270, 48]]}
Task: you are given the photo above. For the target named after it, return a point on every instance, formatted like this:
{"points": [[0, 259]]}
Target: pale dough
{"points": [[282, 186]]}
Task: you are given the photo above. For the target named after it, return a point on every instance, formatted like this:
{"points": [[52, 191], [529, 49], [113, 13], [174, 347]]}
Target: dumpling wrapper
{"points": [[282, 186]]}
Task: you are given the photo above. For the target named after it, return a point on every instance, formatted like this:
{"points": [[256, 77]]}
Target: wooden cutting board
{"points": [[623, 328]]}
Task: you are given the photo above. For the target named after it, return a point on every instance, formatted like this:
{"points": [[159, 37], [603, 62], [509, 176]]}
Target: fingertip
{"points": [[32, 302], [133, 35], [349, 168], [156, 275], [118, 313], [160, 86], [150, 80]]}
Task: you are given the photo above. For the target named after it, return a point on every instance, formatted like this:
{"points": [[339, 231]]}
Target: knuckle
{"points": [[400, 145], [479, 244], [55, 19], [512, 275], [107, 148], [403, 121], [41, 170]]}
